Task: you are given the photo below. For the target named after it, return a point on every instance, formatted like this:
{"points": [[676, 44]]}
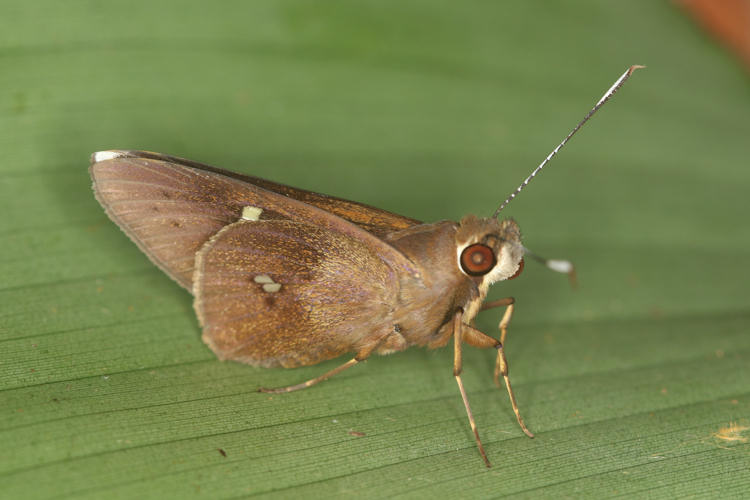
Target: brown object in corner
{"points": [[727, 20]]}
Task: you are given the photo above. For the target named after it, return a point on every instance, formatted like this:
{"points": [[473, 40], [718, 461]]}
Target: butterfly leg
{"points": [[312, 381], [362, 355], [477, 338], [501, 366], [457, 369], [508, 303]]}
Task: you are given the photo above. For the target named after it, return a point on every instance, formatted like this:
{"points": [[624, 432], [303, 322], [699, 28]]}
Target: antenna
{"points": [[607, 95]]}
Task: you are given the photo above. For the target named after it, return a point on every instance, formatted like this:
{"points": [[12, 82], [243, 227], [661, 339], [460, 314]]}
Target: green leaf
{"points": [[636, 383]]}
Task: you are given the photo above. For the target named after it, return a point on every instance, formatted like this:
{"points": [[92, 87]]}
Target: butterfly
{"points": [[284, 277]]}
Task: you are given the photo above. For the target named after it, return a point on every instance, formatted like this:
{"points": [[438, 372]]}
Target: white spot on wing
{"points": [[107, 155], [272, 287], [263, 278], [251, 213]]}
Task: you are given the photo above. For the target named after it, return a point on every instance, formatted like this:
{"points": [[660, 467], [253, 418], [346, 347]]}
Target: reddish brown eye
{"points": [[520, 268], [477, 259]]}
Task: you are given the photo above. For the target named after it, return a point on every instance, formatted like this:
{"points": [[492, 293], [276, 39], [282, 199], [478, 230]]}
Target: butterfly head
{"points": [[489, 250]]}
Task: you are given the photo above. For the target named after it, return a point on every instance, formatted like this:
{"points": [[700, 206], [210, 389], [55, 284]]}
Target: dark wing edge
{"points": [[372, 219]]}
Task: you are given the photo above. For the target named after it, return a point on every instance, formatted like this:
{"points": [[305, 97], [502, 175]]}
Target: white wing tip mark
{"points": [[251, 213], [107, 155]]}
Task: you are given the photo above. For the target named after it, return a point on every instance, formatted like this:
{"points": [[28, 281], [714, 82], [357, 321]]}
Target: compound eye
{"points": [[477, 259], [520, 268]]}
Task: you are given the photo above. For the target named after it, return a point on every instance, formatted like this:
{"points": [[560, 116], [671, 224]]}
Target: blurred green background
{"points": [[636, 383]]}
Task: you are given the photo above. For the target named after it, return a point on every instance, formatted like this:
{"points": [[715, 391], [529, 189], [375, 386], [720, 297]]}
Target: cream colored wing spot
{"points": [[268, 284], [251, 213]]}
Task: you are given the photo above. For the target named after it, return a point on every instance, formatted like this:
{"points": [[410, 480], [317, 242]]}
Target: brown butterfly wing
{"points": [[279, 292], [171, 209], [372, 219]]}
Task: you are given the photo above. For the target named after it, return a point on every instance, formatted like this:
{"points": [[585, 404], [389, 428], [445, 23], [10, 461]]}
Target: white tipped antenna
{"points": [[557, 265], [614, 88]]}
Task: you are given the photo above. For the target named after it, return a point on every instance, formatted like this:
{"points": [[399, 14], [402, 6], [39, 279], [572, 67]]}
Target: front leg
{"points": [[477, 338], [508, 303], [501, 365], [458, 331]]}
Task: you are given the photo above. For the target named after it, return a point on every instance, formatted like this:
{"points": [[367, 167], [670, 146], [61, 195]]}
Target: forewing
{"points": [[372, 219], [287, 293], [171, 209]]}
